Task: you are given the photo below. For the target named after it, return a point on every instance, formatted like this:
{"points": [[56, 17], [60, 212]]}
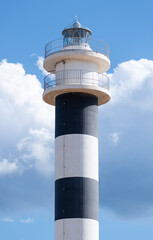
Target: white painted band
{"points": [[76, 155], [75, 228], [77, 64]]}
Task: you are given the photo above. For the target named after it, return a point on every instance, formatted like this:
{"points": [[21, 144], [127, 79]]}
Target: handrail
{"points": [[76, 44], [76, 76]]}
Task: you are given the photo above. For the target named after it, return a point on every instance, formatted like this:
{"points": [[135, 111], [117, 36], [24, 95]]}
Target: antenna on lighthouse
{"points": [[76, 18]]}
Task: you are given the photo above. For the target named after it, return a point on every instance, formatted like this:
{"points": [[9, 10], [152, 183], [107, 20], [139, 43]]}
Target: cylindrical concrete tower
{"points": [[77, 88]]}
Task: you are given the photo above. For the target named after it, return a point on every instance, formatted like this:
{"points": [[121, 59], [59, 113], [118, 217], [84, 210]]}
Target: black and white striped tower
{"points": [[76, 86]]}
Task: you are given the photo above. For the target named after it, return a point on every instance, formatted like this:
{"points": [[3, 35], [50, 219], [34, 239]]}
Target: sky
{"points": [[27, 123]]}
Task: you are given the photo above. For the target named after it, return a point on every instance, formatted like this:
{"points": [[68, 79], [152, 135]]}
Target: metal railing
{"points": [[76, 44], [77, 76]]}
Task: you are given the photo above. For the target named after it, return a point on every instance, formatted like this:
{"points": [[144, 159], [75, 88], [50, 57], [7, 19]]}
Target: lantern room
{"points": [[76, 34]]}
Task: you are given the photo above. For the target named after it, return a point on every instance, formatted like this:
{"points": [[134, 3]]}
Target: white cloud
{"points": [[130, 79], [114, 137], [7, 167], [44, 72], [37, 146], [40, 65], [6, 219], [28, 220], [27, 123], [25, 120]]}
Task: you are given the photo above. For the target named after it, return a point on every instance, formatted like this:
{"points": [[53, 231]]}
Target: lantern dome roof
{"points": [[76, 25]]}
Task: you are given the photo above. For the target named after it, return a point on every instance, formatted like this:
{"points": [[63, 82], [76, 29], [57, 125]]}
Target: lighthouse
{"points": [[76, 86]]}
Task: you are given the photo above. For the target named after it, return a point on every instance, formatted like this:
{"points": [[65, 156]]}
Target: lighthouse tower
{"points": [[76, 86]]}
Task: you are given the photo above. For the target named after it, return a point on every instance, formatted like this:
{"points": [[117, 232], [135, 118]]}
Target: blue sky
{"points": [[27, 123]]}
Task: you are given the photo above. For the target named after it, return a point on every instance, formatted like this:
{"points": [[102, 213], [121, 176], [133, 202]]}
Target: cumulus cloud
{"points": [[37, 147], [28, 220], [27, 123], [130, 79], [39, 64]]}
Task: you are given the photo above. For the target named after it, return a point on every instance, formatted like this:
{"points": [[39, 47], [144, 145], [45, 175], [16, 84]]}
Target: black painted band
{"points": [[76, 197], [76, 113]]}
